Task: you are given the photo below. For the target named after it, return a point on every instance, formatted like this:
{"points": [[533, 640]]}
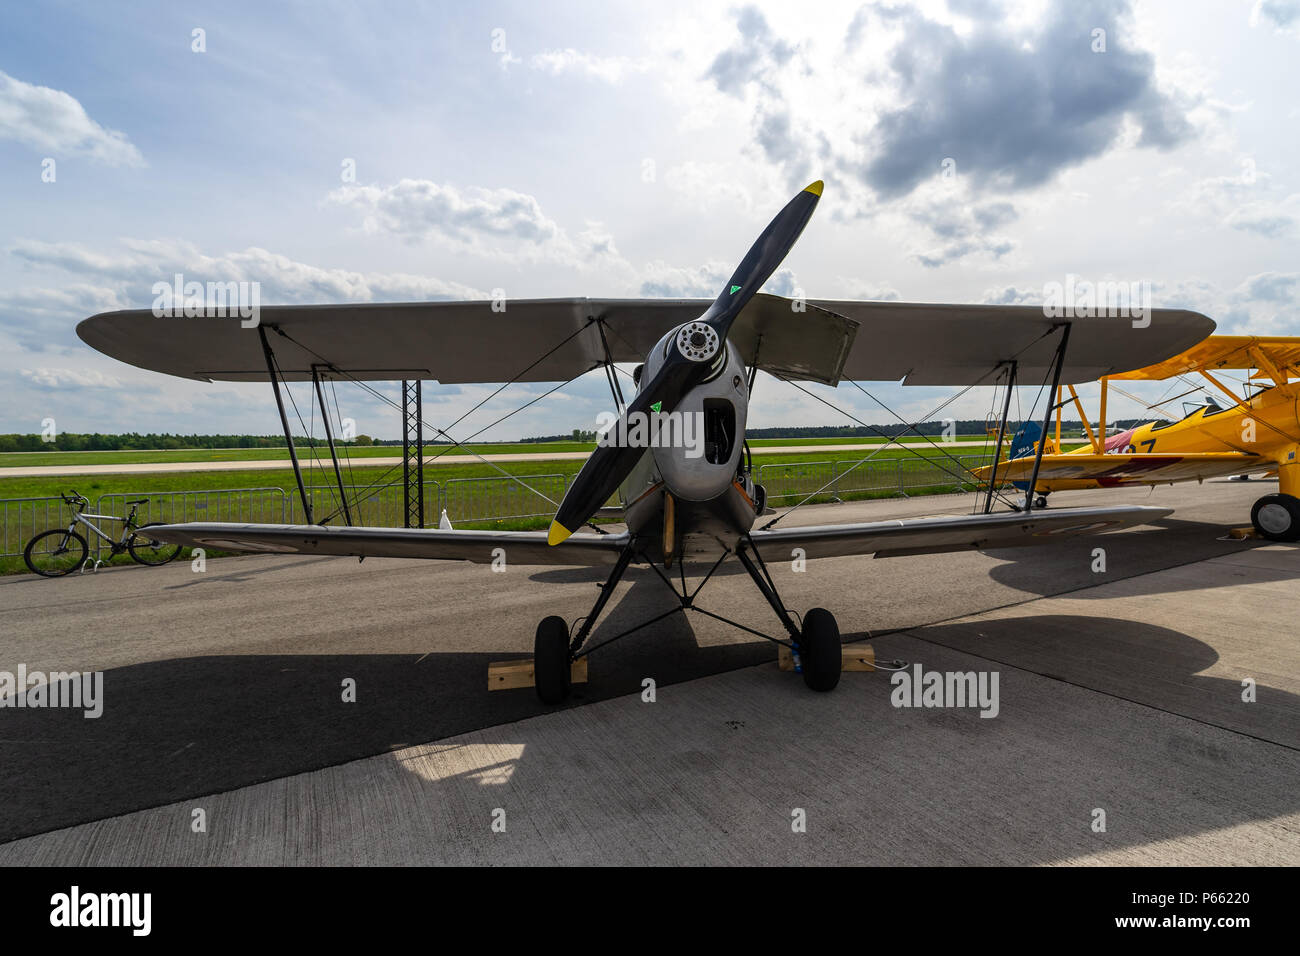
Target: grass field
{"points": [[319, 472], [37, 459], [94, 485]]}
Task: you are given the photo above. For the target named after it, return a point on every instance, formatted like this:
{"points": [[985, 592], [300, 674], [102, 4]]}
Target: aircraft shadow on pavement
{"points": [[1145, 663], [174, 729], [177, 730], [1129, 554]]}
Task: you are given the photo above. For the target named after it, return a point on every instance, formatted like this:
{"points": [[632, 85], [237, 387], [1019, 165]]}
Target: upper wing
{"points": [[1144, 469], [949, 533], [479, 547], [1281, 352], [942, 344], [526, 340], [548, 340]]}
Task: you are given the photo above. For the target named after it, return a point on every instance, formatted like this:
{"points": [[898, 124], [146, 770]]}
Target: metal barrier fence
{"points": [[477, 499], [259, 505], [21, 519], [465, 499], [788, 482]]}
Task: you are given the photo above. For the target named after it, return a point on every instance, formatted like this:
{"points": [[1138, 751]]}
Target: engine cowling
{"points": [[700, 442]]}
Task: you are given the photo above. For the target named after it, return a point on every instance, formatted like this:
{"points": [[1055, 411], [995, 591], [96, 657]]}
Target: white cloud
{"points": [[139, 263], [69, 377], [661, 280], [610, 69], [1282, 15], [500, 223], [55, 122], [1272, 220], [706, 185]]}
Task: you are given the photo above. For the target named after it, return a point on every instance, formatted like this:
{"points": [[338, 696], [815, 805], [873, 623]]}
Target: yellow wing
{"points": [[1108, 471], [1275, 356]]}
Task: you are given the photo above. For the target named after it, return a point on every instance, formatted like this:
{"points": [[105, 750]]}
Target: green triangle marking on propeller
{"points": [[734, 288], [656, 406]]}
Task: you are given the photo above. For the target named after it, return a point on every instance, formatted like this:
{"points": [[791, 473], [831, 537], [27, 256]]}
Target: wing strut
{"points": [[329, 436], [1002, 431], [611, 371], [1047, 415], [284, 421]]}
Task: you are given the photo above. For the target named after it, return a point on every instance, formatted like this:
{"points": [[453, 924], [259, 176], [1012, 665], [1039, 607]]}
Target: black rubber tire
{"points": [[1271, 528], [551, 660], [154, 558], [76, 545], [1040, 501], [819, 650]]}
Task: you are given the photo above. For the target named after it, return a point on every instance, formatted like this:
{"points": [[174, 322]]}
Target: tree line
{"points": [[151, 441]]}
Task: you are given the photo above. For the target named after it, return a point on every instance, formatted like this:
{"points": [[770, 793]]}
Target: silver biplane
{"points": [[698, 358]]}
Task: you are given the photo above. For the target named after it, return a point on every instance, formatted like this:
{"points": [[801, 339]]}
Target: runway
{"points": [[1120, 691]]}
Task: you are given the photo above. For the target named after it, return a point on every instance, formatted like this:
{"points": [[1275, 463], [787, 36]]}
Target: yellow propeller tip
{"points": [[815, 188], [557, 533]]}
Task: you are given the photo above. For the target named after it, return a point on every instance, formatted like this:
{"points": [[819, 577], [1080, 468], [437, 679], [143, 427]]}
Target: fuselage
{"points": [[691, 492], [1265, 426]]}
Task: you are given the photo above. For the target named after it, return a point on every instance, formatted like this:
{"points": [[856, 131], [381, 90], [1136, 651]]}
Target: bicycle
{"points": [[55, 553]]}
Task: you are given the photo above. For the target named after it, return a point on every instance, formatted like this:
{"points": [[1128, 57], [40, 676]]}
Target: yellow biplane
{"points": [[1256, 433]]}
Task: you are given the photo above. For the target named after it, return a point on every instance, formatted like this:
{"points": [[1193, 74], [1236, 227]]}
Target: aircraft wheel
{"points": [[551, 660], [1040, 501], [1277, 517], [819, 650]]}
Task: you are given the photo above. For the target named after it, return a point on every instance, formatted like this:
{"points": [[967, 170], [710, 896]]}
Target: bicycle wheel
{"points": [[149, 550], [55, 553]]}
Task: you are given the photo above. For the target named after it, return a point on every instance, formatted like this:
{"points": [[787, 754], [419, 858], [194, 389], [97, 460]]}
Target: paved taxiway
{"points": [[1119, 691]]}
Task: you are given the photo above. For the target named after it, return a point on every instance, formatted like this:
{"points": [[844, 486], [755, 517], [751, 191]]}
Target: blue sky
{"points": [[624, 149]]}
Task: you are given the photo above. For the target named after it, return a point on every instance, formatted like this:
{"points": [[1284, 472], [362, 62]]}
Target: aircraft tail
{"points": [[1022, 445], [1025, 439]]}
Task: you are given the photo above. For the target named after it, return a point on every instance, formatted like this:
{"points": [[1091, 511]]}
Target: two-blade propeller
{"points": [[696, 347]]}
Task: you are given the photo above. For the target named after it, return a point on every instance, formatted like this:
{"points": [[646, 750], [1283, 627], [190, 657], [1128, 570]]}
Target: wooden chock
{"points": [[510, 675], [854, 657]]}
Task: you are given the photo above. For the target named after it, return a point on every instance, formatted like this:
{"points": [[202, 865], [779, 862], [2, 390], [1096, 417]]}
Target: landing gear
{"points": [[818, 642], [551, 660], [1040, 501], [819, 650], [554, 653], [1277, 517]]}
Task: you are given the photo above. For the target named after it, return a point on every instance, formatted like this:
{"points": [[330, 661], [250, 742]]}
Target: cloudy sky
{"points": [[624, 149]]}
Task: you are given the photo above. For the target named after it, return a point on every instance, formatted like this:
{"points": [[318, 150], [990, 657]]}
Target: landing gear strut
{"points": [[554, 653], [816, 645]]}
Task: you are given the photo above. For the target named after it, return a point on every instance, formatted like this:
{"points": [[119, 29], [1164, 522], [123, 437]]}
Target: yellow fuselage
{"points": [[1268, 426]]}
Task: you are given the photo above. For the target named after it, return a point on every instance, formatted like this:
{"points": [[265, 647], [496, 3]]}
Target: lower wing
{"points": [[479, 547], [1108, 471], [951, 532], [882, 538]]}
